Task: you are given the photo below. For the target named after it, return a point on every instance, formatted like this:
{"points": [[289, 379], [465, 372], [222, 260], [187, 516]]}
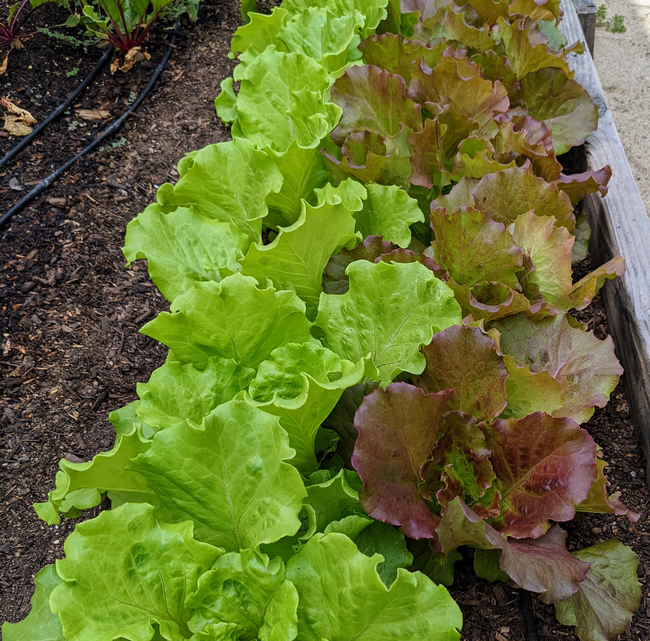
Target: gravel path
{"points": [[623, 63]]}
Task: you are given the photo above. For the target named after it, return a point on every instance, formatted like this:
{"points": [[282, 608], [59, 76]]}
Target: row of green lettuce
{"points": [[373, 368]]}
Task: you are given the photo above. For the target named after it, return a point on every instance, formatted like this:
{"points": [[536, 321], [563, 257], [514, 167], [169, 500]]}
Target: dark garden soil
{"points": [[70, 350]]}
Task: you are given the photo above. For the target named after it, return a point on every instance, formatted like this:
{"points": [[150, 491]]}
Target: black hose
{"points": [[59, 110], [109, 131], [526, 606]]}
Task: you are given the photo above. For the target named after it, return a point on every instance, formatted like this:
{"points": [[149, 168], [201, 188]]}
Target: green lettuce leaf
{"points": [[227, 182], [250, 591], [260, 32], [343, 598], [388, 312], [322, 35], [335, 498], [380, 210], [79, 486], [388, 212], [302, 172], [603, 606], [380, 538], [298, 255], [229, 477], [183, 248], [335, 279], [41, 624], [373, 11], [281, 99], [301, 384], [178, 393], [126, 572], [231, 319]]}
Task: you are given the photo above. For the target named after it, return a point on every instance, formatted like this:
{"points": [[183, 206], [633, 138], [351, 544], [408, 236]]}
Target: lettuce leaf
{"points": [[178, 393], [41, 623], [183, 248], [248, 590], [239, 447], [126, 574], [563, 359], [343, 598], [301, 384], [281, 99], [465, 360], [398, 429], [390, 329], [228, 182], [231, 319], [298, 255], [541, 565], [373, 100], [544, 467], [79, 486], [603, 606]]}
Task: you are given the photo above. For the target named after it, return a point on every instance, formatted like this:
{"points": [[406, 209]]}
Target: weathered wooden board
{"points": [[620, 226], [586, 10]]}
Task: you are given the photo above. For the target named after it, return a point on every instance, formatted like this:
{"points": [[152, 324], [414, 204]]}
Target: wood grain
{"points": [[620, 226]]}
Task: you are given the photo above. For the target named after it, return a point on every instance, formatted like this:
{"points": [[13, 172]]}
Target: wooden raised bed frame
{"points": [[619, 226]]}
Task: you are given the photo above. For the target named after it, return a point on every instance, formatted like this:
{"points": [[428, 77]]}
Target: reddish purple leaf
{"points": [[541, 565], [426, 160], [456, 81], [544, 466], [398, 428], [369, 157], [599, 500], [397, 55], [578, 186], [374, 100], [475, 248], [512, 192], [492, 301], [459, 465], [465, 359]]}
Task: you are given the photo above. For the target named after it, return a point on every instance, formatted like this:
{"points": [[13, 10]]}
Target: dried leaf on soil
{"points": [[18, 122]]}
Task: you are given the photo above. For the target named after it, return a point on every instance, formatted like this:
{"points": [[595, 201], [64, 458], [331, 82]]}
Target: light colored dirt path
{"points": [[623, 63]]}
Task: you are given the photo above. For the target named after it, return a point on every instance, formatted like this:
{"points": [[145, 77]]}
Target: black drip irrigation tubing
{"points": [[59, 110], [526, 606], [109, 131]]}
